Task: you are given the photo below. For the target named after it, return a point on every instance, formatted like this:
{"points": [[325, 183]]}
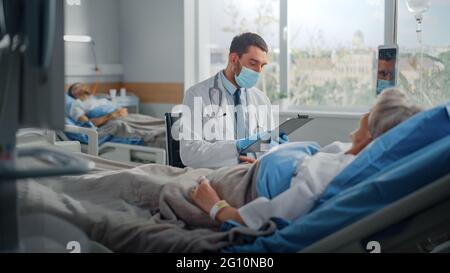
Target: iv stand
{"points": [[419, 20]]}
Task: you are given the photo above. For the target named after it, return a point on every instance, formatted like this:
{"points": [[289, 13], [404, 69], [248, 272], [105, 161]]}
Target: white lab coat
{"points": [[204, 152]]}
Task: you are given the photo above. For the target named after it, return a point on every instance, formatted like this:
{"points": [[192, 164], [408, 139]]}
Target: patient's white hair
{"points": [[392, 107]]}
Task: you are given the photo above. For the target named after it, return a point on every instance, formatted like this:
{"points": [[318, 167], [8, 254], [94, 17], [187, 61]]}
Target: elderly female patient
{"points": [[314, 173]]}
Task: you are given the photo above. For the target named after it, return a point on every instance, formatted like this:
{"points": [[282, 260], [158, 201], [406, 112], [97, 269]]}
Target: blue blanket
{"points": [[277, 167], [394, 182], [408, 157]]}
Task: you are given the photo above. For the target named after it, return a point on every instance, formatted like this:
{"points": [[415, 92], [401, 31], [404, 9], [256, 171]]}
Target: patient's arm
{"points": [[96, 121], [121, 112], [206, 197], [229, 213], [102, 120], [246, 160], [83, 118]]}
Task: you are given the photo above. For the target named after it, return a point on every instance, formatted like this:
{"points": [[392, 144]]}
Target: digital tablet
{"points": [[288, 127], [387, 70]]}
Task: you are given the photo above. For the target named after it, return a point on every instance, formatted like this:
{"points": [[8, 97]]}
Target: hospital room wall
{"points": [[139, 45], [143, 41], [100, 20], [152, 46]]}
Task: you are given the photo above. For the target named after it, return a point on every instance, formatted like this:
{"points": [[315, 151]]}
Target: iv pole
{"points": [[418, 8]]}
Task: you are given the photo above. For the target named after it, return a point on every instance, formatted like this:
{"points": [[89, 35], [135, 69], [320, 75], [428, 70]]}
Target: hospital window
{"points": [[427, 78], [328, 61], [227, 18], [332, 55], [333, 48]]}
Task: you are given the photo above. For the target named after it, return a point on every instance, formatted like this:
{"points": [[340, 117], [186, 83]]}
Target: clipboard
{"points": [[287, 127]]}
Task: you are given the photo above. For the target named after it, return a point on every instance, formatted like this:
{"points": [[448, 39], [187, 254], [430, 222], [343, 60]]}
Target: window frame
{"points": [[194, 15]]}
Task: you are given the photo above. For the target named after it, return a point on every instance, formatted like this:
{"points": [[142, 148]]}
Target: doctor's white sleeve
{"points": [[198, 153]]}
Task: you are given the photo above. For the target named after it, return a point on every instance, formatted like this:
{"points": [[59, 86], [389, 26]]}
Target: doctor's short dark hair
{"points": [[242, 42]]}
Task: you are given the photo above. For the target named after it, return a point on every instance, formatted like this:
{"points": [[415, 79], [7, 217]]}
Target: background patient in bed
{"points": [[88, 110], [314, 173], [85, 103]]}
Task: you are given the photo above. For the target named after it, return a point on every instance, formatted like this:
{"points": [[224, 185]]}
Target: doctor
{"points": [[226, 113]]}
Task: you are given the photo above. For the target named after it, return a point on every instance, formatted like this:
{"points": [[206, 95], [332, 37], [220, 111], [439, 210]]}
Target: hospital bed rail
{"points": [[115, 151], [48, 135], [31, 137], [92, 137], [415, 223]]}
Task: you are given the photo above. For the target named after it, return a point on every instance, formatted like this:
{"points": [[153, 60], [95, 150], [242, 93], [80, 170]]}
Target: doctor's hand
{"points": [[244, 143], [282, 139]]}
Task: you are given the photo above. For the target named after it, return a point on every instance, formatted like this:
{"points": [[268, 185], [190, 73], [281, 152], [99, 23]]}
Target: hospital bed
{"points": [[394, 197], [401, 206], [127, 153], [31, 137], [46, 233], [416, 223], [133, 155]]}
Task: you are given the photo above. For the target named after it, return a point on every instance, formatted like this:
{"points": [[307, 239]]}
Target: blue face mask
{"points": [[247, 78], [382, 85]]}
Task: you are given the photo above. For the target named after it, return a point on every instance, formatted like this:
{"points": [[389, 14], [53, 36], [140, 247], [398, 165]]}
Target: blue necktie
{"points": [[239, 115]]}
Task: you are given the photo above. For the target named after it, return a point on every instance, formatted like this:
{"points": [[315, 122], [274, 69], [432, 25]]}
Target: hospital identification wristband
{"points": [[218, 207]]}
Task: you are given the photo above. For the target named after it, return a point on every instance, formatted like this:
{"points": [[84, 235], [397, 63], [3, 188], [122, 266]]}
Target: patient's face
{"points": [[81, 92], [362, 136]]}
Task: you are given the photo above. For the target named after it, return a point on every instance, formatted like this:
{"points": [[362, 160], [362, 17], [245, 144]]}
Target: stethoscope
{"points": [[215, 115], [211, 90]]}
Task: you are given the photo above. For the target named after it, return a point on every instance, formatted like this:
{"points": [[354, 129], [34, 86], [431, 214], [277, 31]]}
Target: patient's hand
{"points": [[247, 160], [204, 196], [123, 112], [83, 119]]}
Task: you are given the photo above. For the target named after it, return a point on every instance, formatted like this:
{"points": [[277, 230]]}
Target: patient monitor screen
{"points": [[387, 69]]}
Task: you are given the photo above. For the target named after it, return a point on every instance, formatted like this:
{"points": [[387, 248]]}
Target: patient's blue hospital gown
{"points": [[81, 108], [312, 176]]}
